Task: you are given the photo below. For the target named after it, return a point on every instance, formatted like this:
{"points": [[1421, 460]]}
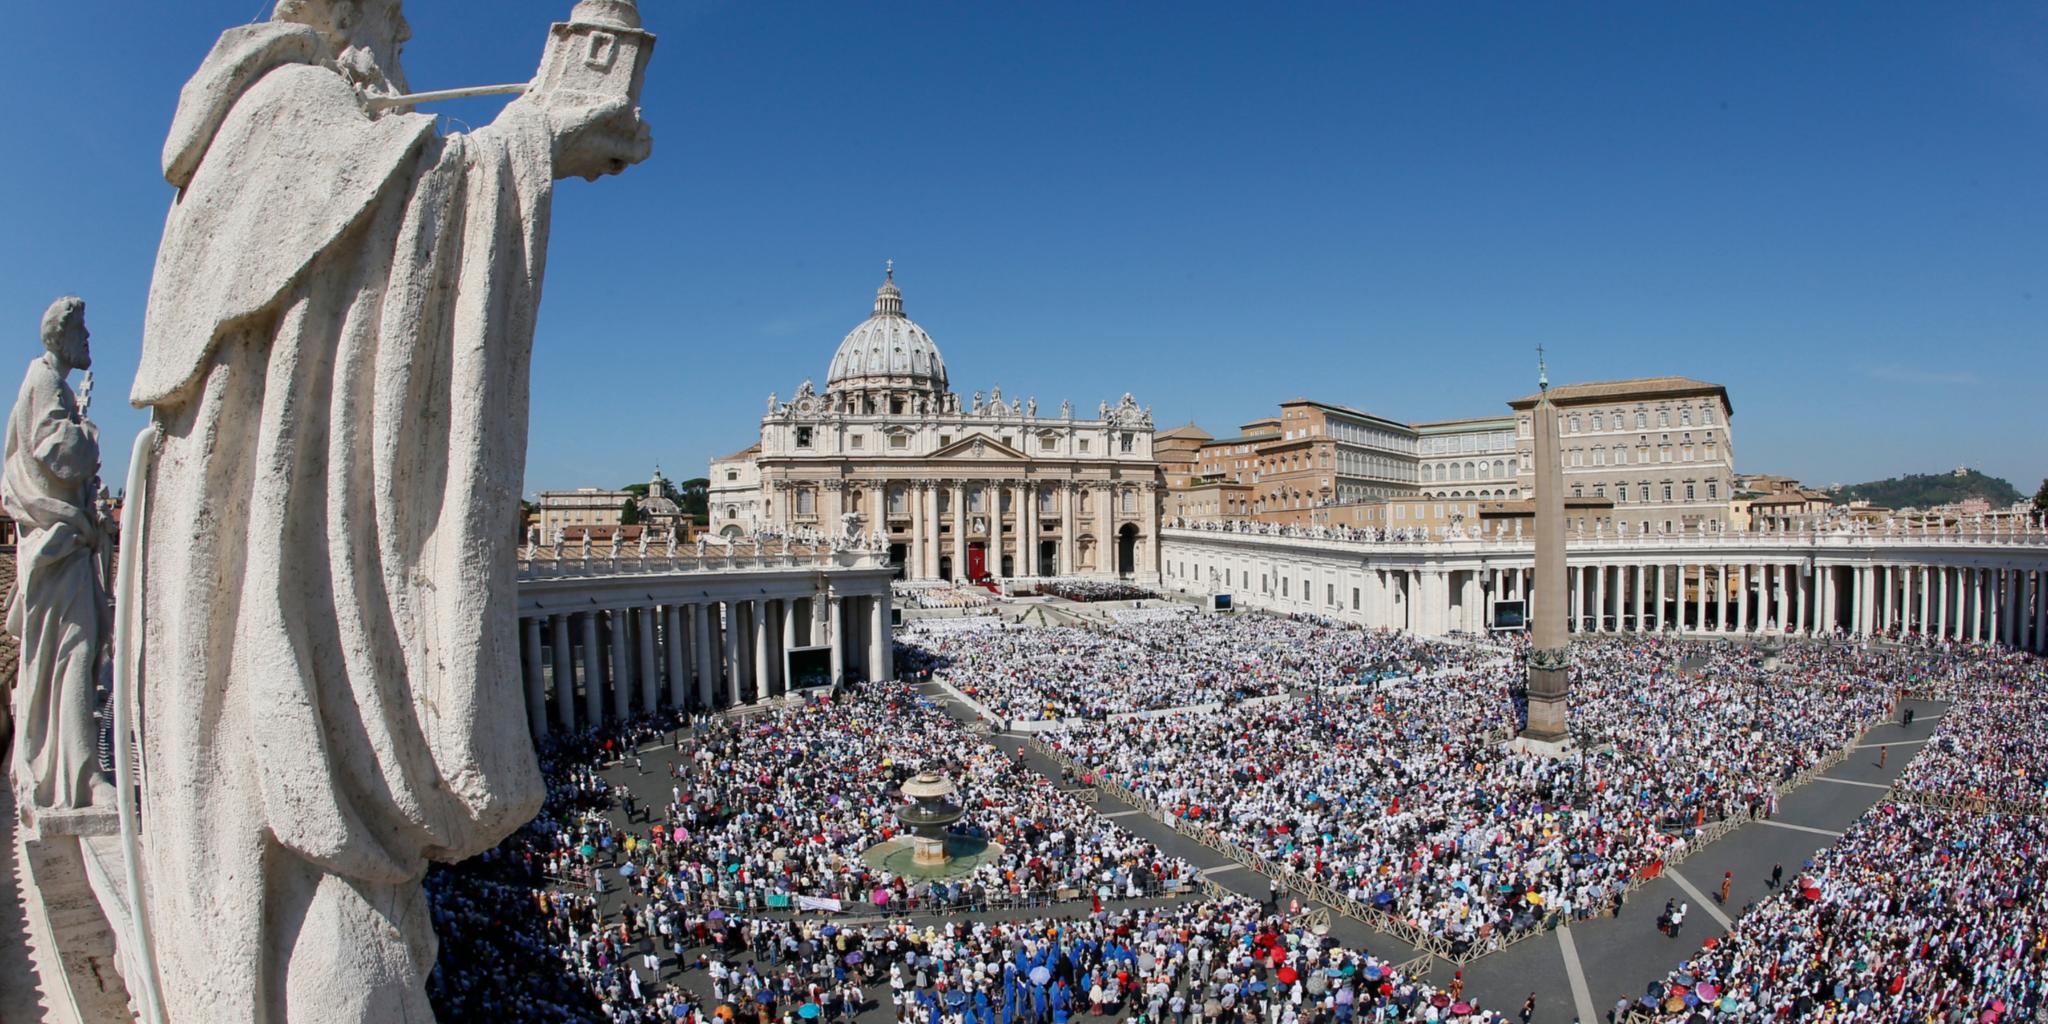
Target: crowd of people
{"points": [[943, 596], [1916, 914], [1402, 797], [1093, 590], [1373, 766], [1155, 664]]}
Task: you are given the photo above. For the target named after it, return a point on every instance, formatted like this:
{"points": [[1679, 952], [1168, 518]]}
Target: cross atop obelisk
{"points": [[1549, 659]]}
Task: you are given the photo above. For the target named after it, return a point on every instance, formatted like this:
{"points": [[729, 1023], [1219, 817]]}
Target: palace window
{"points": [[899, 501], [1642, 421], [1046, 444], [1667, 492], [806, 501], [1713, 491], [1127, 441], [1688, 492], [899, 441], [976, 499], [732, 474], [803, 437], [1083, 446], [856, 441], [1597, 422]]}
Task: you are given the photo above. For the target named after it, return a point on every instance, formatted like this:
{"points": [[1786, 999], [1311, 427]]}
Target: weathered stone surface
{"points": [[60, 610], [336, 349]]}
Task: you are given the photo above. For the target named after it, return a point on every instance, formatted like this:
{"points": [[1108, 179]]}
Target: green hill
{"points": [[1920, 490]]}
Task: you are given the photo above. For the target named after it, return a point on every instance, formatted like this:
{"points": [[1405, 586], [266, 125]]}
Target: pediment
{"points": [[980, 448]]}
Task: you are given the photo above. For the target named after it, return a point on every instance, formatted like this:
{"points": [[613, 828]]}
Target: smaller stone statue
{"points": [[557, 543], [1031, 407], [618, 538], [1066, 409], [59, 610], [586, 544], [703, 545], [672, 531], [643, 542], [976, 407], [771, 403], [532, 541], [995, 397]]}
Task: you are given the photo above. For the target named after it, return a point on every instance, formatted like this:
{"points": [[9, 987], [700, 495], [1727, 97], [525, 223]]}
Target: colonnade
{"points": [[1986, 590], [590, 654]]}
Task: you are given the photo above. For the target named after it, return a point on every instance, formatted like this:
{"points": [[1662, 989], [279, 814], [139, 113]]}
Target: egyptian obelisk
{"points": [[1549, 654]]}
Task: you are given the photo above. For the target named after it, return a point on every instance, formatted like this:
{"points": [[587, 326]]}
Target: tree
{"points": [[695, 498], [638, 490], [629, 513], [2041, 498]]}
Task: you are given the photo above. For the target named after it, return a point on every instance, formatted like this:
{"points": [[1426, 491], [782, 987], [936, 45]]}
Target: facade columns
{"points": [[881, 655], [565, 671], [836, 636], [1148, 547], [959, 500], [536, 685], [1105, 531], [1721, 596], [1067, 507]]}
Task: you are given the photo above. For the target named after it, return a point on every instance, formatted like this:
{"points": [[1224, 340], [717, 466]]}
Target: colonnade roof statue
{"points": [[335, 357]]}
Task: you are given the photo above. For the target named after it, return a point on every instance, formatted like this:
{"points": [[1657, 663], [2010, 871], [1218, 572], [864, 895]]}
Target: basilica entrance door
{"points": [[977, 561]]}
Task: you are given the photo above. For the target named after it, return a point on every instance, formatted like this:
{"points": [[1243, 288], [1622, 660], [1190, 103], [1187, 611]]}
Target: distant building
{"points": [[574, 511], [735, 497]]}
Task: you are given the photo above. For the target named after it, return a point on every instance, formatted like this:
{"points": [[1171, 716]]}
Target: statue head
{"points": [[365, 37], [64, 333]]}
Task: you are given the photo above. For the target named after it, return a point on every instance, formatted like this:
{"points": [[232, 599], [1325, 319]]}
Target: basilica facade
{"points": [[983, 489]]}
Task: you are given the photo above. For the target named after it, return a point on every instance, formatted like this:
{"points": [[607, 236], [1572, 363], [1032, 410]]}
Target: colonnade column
{"points": [[757, 620], [565, 671], [1742, 597], [650, 671], [622, 663], [1600, 598], [2040, 612], [707, 656], [731, 647], [593, 672], [1027, 529], [928, 493], [536, 685], [675, 652]]}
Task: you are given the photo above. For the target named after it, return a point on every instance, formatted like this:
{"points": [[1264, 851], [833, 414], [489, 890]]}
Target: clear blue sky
{"points": [[1837, 210]]}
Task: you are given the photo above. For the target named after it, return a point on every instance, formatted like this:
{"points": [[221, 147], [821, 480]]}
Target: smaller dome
{"points": [[887, 349]]}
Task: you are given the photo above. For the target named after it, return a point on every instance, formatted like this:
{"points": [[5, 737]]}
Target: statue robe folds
{"points": [[59, 607], [337, 348]]}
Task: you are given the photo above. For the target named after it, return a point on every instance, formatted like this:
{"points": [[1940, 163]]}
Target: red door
{"points": [[977, 561]]}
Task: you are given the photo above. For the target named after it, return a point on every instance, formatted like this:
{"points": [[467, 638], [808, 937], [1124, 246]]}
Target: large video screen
{"points": [[1511, 615], [810, 667], [1221, 602]]}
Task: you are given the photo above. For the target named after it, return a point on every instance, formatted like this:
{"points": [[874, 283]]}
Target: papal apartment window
{"points": [[803, 437], [1667, 492], [1713, 491]]}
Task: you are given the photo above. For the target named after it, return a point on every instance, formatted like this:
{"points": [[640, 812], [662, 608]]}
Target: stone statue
{"points": [[586, 544], [703, 545], [672, 532], [643, 542], [976, 407], [557, 543], [618, 541], [1031, 407], [59, 608], [771, 403], [532, 540], [336, 350]]}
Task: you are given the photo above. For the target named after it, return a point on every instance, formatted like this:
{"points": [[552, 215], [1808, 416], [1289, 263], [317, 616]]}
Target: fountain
{"points": [[928, 851]]}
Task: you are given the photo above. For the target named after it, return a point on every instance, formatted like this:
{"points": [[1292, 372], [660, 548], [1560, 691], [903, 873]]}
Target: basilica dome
{"points": [[888, 350]]}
